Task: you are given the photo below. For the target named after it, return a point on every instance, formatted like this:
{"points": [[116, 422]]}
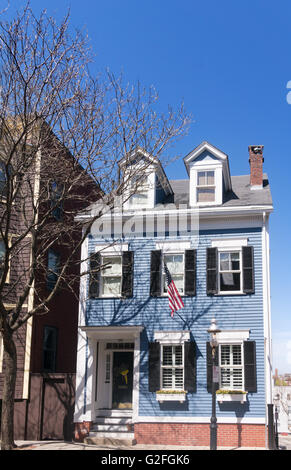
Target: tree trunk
{"points": [[10, 365]]}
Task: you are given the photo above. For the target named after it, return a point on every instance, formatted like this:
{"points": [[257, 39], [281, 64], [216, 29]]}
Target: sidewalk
{"points": [[62, 445]]}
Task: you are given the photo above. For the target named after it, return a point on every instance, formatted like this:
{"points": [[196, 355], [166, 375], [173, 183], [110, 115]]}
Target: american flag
{"points": [[175, 301]]}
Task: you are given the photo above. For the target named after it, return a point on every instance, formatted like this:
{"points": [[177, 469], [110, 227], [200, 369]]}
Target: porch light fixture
{"points": [[213, 330]]}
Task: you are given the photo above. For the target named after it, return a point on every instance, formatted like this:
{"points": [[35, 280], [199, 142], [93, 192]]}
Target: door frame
{"points": [[103, 392]]}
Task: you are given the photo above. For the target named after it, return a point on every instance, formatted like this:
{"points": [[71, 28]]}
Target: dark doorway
{"points": [[122, 379]]}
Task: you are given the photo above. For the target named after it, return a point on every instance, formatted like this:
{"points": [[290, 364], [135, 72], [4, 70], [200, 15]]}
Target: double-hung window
{"points": [[231, 366], [172, 367], [230, 271], [53, 268], [205, 186], [140, 188], [111, 276], [175, 265]]}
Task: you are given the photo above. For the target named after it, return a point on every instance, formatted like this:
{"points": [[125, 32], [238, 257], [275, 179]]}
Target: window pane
{"points": [[235, 261], [179, 283], [178, 378], [230, 281], [111, 286], [225, 378], [113, 265], [201, 178], [224, 261], [237, 379], [167, 378], [205, 195], [178, 355], [236, 355], [225, 355], [175, 263], [210, 178], [167, 356]]}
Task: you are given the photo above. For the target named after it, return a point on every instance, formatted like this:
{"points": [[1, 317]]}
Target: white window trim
{"points": [[231, 338], [172, 338], [151, 185], [181, 366], [165, 294], [172, 248], [177, 337], [206, 166], [104, 296], [231, 367], [231, 292], [230, 245]]}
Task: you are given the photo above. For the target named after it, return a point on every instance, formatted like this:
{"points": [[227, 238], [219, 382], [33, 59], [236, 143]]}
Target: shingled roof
{"points": [[240, 195]]}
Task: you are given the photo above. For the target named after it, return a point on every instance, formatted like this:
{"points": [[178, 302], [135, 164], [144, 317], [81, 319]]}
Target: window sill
{"points": [[230, 293], [231, 397], [171, 396]]}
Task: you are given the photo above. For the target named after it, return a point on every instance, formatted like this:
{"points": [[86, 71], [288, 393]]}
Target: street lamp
{"points": [[213, 330], [276, 403]]}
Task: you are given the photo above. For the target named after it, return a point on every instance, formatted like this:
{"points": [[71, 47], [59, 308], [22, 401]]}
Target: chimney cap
{"points": [[256, 148]]}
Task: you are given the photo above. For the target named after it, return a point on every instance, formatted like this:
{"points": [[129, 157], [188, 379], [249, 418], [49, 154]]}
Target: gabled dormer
{"points": [[145, 182], [209, 175]]}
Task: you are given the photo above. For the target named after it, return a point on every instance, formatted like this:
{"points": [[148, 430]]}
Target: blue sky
{"points": [[230, 62]]}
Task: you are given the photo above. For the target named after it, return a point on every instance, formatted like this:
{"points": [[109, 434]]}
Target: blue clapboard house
{"points": [[144, 376]]}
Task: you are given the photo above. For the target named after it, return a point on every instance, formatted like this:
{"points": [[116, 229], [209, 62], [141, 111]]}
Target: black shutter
{"points": [[155, 288], [94, 280], [190, 366], [127, 274], [212, 271], [154, 367], [248, 269], [190, 272], [209, 366], [250, 366]]}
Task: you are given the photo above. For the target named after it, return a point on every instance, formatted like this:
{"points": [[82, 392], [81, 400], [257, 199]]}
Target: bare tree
{"points": [[62, 134]]}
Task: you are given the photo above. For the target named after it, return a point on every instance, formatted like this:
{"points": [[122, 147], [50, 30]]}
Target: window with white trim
{"points": [[230, 271], [231, 366], [140, 197], [175, 265], [111, 276], [205, 186], [172, 367]]}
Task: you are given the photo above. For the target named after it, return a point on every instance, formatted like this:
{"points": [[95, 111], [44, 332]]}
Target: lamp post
{"points": [[213, 330], [276, 403]]}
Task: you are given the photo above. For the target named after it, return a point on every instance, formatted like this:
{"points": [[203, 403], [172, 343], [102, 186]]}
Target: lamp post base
{"points": [[213, 433]]}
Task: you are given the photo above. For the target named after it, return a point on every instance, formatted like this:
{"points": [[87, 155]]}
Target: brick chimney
{"points": [[256, 166]]}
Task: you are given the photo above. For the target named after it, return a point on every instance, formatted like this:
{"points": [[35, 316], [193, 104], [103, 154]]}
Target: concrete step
{"points": [[110, 438], [111, 427], [112, 420], [114, 413]]}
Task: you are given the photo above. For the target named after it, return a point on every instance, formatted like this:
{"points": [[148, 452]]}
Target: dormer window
{"points": [[209, 174], [205, 186], [141, 195]]}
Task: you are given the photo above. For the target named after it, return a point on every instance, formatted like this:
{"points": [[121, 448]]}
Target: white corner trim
{"points": [[233, 336], [229, 243], [172, 336], [116, 248], [173, 247]]}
